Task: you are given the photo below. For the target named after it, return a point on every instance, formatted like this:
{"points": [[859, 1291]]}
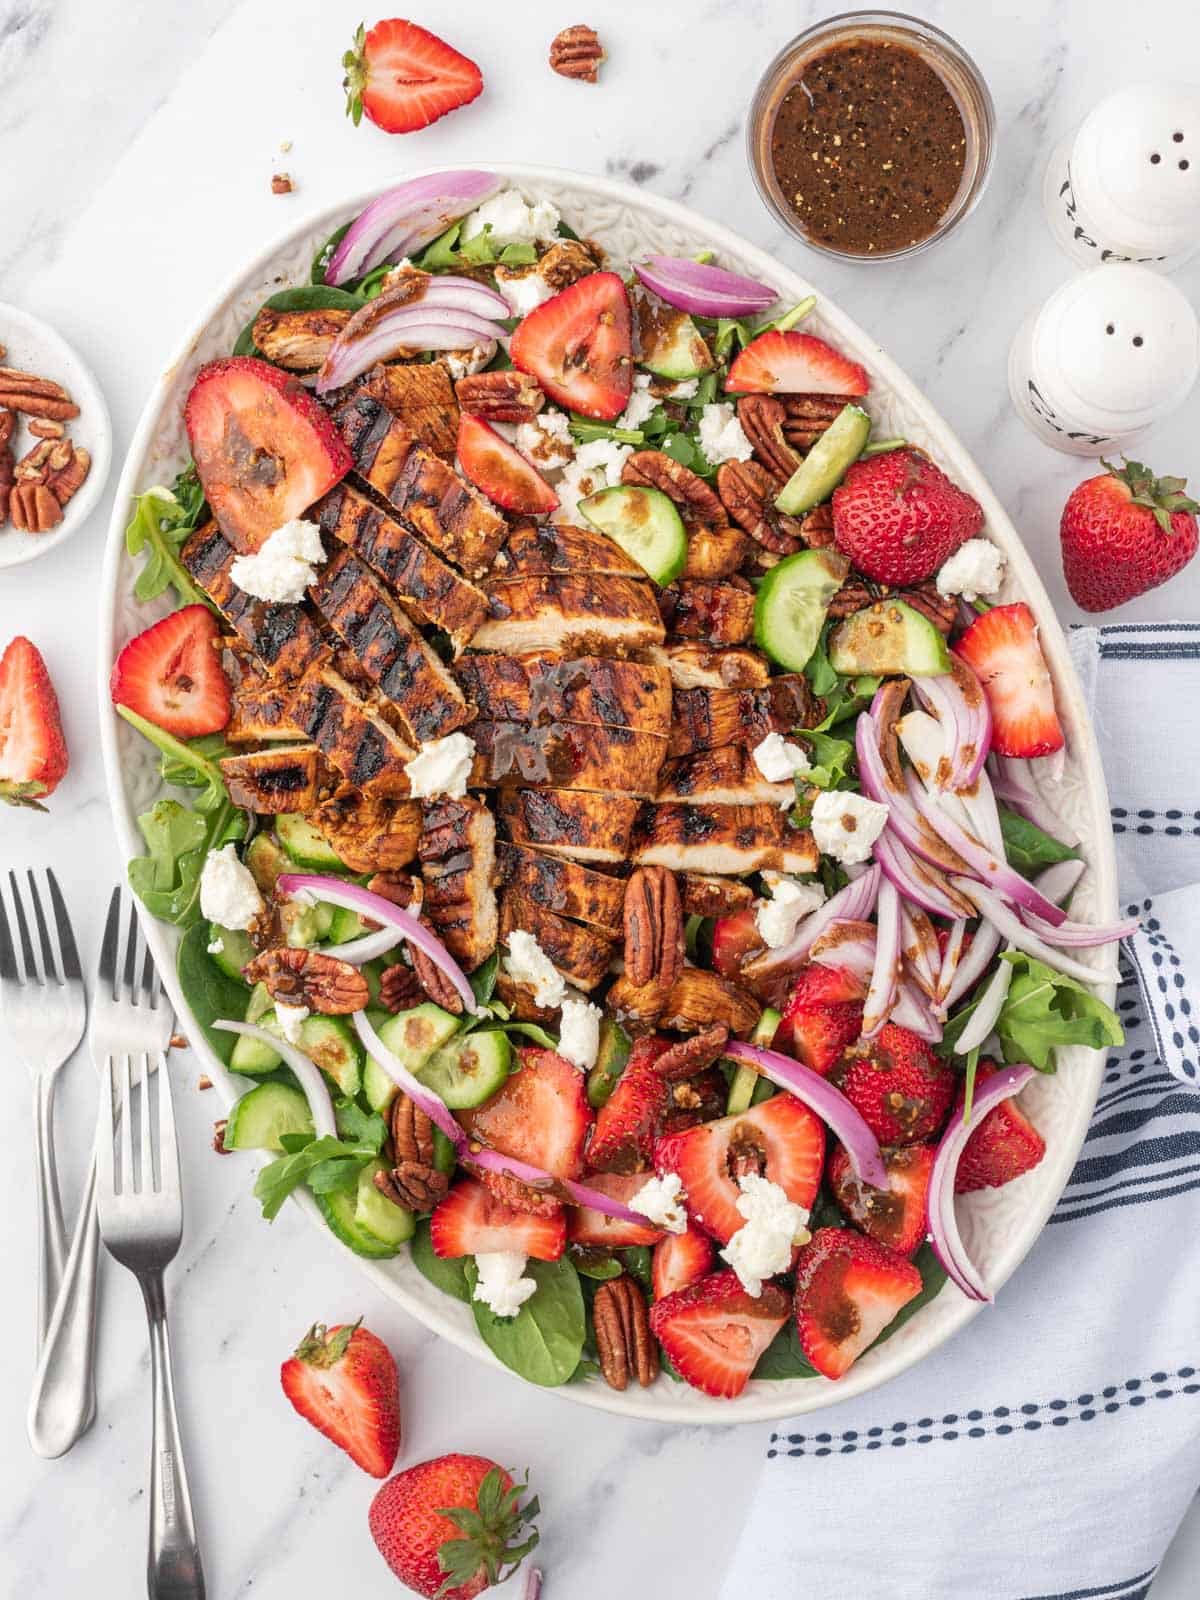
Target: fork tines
{"points": [[59, 958], [125, 1099], [121, 978]]}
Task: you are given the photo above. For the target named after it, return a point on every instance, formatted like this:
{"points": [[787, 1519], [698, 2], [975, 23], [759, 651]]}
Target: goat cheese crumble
{"points": [[778, 918], [660, 1200], [846, 825], [762, 1246], [290, 1019], [524, 288], [579, 1033], [466, 363], [284, 565], [443, 767], [685, 389], [512, 221], [500, 1284], [527, 963], [975, 568], [778, 759], [546, 440], [597, 465], [641, 403], [721, 435], [228, 892]]}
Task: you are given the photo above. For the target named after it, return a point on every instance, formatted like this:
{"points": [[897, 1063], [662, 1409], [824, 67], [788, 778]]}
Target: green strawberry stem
{"points": [[1162, 496]]}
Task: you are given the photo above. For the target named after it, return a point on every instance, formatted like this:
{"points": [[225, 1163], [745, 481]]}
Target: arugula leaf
{"points": [[359, 1126], [441, 254], [325, 1163], [732, 334], [822, 679], [161, 522], [683, 448], [1029, 847], [831, 759], [1045, 1009], [585, 431], [449, 251], [787, 319]]}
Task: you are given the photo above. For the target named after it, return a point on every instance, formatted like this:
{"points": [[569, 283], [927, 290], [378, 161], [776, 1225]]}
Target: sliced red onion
{"points": [[1017, 786], [434, 1107], [912, 1011], [830, 1104], [903, 819], [703, 290], [308, 1074], [972, 966], [533, 1584], [923, 739], [365, 948], [407, 218], [918, 880], [353, 897], [419, 325], [881, 994], [479, 1155], [943, 1224], [1056, 882], [979, 802], [991, 1002], [467, 295], [1010, 927], [1081, 935], [958, 701], [919, 945], [853, 903]]}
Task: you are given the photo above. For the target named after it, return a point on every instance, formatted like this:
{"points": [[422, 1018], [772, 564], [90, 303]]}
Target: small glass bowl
{"points": [[953, 66]]}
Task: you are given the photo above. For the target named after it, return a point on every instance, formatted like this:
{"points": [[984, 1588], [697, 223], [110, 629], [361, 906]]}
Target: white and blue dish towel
{"points": [[1050, 1451]]}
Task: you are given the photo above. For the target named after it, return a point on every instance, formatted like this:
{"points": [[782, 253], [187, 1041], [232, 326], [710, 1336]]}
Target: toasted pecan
{"points": [[688, 1057], [748, 493], [697, 503], [624, 1342], [654, 932], [508, 396], [576, 52], [297, 977]]}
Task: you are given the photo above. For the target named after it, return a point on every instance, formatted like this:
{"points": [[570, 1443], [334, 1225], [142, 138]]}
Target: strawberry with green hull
{"points": [[470, 1221], [1125, 532], [171, 674], [900, 1088], [1001, 647], [898, 517], [404, 77], [848, 1289], [579, 346], [680, 1260], [897, 1216], [785, 362], [1004, 1146], [344, 1381], [33, 752], [501, 471]]}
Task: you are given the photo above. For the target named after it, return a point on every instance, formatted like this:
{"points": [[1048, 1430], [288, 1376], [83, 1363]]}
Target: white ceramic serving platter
{"points": [[998, 1225]]}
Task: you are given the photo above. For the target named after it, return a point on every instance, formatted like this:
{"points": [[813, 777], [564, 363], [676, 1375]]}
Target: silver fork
{"points": [[45, 1009], [129, 1012], [141, 1222]]}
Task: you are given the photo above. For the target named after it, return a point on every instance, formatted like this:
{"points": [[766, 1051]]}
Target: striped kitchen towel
{"points": [[1050, 1451]]}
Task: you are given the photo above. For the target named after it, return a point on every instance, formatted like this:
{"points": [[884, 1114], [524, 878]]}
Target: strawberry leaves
{"points": [[488, 1531], [1161, 496]]}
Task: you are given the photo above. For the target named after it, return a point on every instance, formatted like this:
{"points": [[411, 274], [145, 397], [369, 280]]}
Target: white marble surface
{"points": [[136, 147]]}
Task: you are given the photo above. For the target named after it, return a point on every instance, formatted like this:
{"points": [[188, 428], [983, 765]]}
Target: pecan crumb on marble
{"points": [[576, 52]]}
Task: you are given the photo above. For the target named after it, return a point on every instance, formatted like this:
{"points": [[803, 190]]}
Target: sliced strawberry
{"points": [[470, 1219], [795, 363], [735, 940], [171, 674], [901, 1089], [345, 1383], [1002, 649], [714, 1332], [405, 77], [500, 470], [696, 1099], [897, 1216], [579, 345], [629, 1122], [822, 1016], [681, 1259], [780, 1139], [540, 1114], [33, 753], [264, 448], [848, 1289], [596, 1229], [1004, 1146]]}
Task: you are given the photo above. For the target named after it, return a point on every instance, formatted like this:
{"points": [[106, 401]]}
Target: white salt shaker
{"points": [[1126, 186], [1111, 352]]}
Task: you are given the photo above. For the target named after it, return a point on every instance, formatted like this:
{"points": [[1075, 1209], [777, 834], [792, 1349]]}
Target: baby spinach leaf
{"points": [[483, 979], [637, 1261], [1029, 847], [596, 1264], [334, 1163], [209, 992], [783, 1357], [324, 254], [544, 1341], [447, 1275]]}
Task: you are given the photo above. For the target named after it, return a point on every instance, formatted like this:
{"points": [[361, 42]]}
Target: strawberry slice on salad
{"points": [[786, 362], [33, 752], [848, 1289], [597, 1230], [264, 449], [470, 1219], [714, 1332], [1004, 1146], [631, 1119], [171, 674], [822, 1016], [897, 1216], [899, 1087], [680, 1260], [405, 77], [500, 470], [540, 1114], [1002, 648], [735, 941], [344, 1382], [579, 346]]}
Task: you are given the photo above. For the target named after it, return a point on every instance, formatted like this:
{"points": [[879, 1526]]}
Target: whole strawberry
{"points": [[898, 517], [447, 1527], [1124, 532], [345, 1383]]}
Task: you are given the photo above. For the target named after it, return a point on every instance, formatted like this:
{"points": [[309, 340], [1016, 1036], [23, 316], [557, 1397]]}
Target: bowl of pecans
{"points": [[55, 438]]}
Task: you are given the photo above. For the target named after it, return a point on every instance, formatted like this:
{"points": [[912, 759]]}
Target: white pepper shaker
{"points": [[1111, 352], [1126, 186]]}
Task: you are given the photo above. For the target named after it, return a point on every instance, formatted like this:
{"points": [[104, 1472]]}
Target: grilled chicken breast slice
{"points": [[721, 777], [698, 666], [703, 896], [706, 719], [421, 398], [371, 833], [272, 781], [298, 340], [568, 822], [581, 954], [535, 551], [458, 863], [566, 755], [351, 734], [718, 613], [722, 839], [563, 886], [545, 687], [715, 552], [282, 638], [597, 613], [261, 711]]}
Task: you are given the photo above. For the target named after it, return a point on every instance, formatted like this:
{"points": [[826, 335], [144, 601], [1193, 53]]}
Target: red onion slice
{"points": [[413, 326], [848, 946], [912, 1011], [1010, 927], [308, 1074], [1056, 882], [365, 948], [479, 1155], [1081, 935], [533, 1584], [830, 1104], [853, 903], [918, 880], [958, 701], [918, 943], [1016, 785], [703, 290], [881, 994], [467, 295], [406, 218], [903, 819], [434, 1107], [968, 971], [991, 1002]]}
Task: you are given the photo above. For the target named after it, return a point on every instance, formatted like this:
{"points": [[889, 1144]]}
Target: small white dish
{"points": [[31, 345]]}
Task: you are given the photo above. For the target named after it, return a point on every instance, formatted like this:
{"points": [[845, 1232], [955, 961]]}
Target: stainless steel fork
{"points": [[141, 1223]]}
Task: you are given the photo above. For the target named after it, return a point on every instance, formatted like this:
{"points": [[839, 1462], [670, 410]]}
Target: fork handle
{"points": [[63, 1401], [52, 1243], [173, 1570]]}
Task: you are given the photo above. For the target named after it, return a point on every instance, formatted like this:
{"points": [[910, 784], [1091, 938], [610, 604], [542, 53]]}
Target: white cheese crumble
{"points": [[660, 1200], [579, 1033], [284, 565], [596, 466], [641, 403], [762, 1247], [512, 221], [527, 963], [546, 440], [975, 568], [685, 389], [721, 435], [443, 767], [500, 1284], [216, 947], [524, 288], [778, 918], [778, 759], [290, 1019], [846, 825], [466, 363], [228, 892]]}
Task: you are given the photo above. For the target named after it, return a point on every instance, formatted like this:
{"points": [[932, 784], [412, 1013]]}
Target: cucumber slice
{"points": [[469, 1069], [305, 843], [263, 1113], [333, 1045], [259, 1003], [346, 925], [307, 925], [745, 1082], [646, 525], [251, 1056], [265, 861], [445, 1156], [615, 1045], [412, 1036], [340, 1210], [377, 1086], [888, 637], [377, 1214], [790, 607], [233, 948], [672, 344], [825, 465]]}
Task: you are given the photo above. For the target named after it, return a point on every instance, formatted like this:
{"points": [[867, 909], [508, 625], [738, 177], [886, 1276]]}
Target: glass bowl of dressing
{"points": [[870, 135]]}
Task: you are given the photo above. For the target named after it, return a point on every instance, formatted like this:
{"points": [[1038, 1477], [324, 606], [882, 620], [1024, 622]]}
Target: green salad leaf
{"points": [[1042, 1010], [544, 1341], [326, 1164], [161, 523], [1028, 847], [448, 252], [448, 1275], [209, 992]]}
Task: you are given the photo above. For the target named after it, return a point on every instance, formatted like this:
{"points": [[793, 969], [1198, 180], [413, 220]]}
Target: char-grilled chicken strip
{"points": [[697, 666], [568, 822], [715, 552], [581, 954], [260, 710], [282, 638], [571, 890], [717, 613], [272, 781], [389, 649], [704, 896], [371, 833], [298, 340], [720, 838], [589, 613], [544, 687], [458, 863], [421, 398], [566, 755], [727, 776], [705, 719], [351, 734], [427, 588], [538, 551]]}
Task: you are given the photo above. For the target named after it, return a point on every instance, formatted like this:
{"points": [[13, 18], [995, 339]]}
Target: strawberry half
{"points": [[265, 450], [680, 1260], [629, 1122], [540, 1114], [33, 752], [735, 940], [579, 346], [500, 470], [345, 1383], [901, 1089], [822, 1017], [1004, 1146], [897, 1216], [899, 517], [405, 77], [171, 674], [596, 1229], [714, 1332], [1002, 649], [795, 363], [780, 1139], [470, 1219], [848, 1289]]}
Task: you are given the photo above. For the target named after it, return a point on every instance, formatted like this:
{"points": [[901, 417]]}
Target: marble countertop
{"points": [[136, 149]]}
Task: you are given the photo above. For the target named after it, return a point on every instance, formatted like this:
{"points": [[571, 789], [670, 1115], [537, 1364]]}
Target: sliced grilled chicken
{"points": [[698, 999], [581, 954], [544, 687], [351, 734], [371, 833], [421, 398], [427, 588], [518, 997], [721, 777], [261, 711], [389, 649], [272, 781], [558, 547], [718, 613], [697, 666], [566, 755], [563, 886], [715, 552], [703, 896], [458, 864], [282, 638], [589, 827], [298, 340], [706, 719], [719, 838], [598, 613]]}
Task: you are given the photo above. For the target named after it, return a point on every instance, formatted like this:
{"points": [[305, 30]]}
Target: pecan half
{"points": [[298, 977], [6, 477], [762, 417], [806, 416], [8, 422], [37, 397], [851, 597], [624, 1342], [281, 183], [748, 493], [33, 508], [654, 933], [218, 1140], [509, 396], [414, 1182], [399, 988], [33, 466], [816, 527], [654, 469], [68, 467], [935, 607], [40, 428], [690, 1056], [576, 52], [434, 982]]}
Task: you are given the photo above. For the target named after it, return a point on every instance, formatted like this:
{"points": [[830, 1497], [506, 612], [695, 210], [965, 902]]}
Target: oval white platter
{"points": [[998, 1225]]}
